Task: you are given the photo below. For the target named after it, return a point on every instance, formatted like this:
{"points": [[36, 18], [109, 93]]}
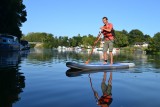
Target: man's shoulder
{"points": [[110, 24]]}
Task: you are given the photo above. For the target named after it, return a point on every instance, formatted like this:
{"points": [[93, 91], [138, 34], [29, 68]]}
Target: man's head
{"points": [[105, 20]]}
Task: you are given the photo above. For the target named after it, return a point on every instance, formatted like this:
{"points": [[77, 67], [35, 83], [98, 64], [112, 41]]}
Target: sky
{"points": [[73, 17]]}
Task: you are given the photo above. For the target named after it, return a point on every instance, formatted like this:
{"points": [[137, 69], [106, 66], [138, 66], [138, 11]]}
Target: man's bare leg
{"points": [[111, 56], [105, 57]]}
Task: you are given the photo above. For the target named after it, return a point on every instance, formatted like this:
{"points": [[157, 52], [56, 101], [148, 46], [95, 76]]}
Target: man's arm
{"points": [[107, 29], [98, 38]]}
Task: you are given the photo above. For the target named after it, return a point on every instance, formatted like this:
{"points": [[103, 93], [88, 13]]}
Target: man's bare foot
{"points": [[111, 63], [87, 62], [104, 62]]}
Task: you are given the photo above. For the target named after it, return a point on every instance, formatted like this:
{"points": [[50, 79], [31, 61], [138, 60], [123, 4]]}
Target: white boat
{"points": [[100, 50], [9, 43]]}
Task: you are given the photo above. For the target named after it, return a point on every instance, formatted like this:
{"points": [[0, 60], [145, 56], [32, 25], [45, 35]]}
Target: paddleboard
{"points": [[83, 66]]}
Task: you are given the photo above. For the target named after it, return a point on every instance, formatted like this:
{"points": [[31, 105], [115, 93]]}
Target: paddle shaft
{"points": [[94, 92], [91, 52], [93, 48]]}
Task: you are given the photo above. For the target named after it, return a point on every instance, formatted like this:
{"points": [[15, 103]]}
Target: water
{"points": [[40, 78]]}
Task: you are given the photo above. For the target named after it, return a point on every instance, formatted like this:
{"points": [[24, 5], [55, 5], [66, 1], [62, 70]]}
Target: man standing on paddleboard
{"points": [[108, 33]]}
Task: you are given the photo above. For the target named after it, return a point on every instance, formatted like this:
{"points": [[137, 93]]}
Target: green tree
{"points": [[79, 39], [76, 40], [121, 39], [88, 40], [85, 41], [124, 32], [35, 37], [47, 39], [154, 44], [73, 42], [152, 47], [147, 38], [12, 15], [135, 36], [65, 41], [55, 42], [156, 39]]}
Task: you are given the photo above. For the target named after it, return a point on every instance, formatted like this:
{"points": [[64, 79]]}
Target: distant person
{"points": [[107, 31]]}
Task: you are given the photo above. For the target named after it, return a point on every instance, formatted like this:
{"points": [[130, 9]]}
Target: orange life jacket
{"points": [[108, 35], [105, 99]]}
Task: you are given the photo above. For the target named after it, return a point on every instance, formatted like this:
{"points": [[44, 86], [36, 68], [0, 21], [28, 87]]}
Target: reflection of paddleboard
{"points": [[76, 72], [83, 66]]}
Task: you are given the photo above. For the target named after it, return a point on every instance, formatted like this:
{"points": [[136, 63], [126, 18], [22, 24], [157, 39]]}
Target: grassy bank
{"points": [[132, 49]]}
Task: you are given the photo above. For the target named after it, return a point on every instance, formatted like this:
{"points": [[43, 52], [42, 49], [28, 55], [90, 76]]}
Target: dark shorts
{"points": [[106, 89], [108, 44]]}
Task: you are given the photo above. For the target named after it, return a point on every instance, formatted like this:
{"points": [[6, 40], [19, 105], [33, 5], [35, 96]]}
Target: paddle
{"points": [[94, 92], [93, 48]]}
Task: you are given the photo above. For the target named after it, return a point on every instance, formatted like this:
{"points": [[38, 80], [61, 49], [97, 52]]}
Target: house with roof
{"points": [[141, 44]]}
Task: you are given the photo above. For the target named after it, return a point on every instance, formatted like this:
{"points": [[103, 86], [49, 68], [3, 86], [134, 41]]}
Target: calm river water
{"points": [[40, 78]]}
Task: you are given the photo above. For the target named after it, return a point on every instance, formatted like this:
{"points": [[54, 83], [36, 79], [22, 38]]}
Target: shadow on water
{"points": [[12, 82]]}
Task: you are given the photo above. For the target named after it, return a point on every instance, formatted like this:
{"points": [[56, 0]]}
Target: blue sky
{"points": [[73, 17]]}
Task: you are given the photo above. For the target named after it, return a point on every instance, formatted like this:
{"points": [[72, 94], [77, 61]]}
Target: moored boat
{"points": [[24, 45], [9, 43]]}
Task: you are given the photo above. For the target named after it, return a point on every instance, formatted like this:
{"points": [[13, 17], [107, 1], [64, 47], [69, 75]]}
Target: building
{"points": [[141, 44]]}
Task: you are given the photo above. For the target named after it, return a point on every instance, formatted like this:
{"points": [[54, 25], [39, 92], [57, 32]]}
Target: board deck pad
{"points": [[83, 66]]}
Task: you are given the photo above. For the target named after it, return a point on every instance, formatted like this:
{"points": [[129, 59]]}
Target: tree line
{"points": [[122, 39], [12, 15]]}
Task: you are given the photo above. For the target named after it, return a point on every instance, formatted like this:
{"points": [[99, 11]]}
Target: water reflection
{"points": [[9, 59], [37, 56], [54, 56], [12, 59], [154, 60], [41, 56], [106, 98], [12, 82], [76, 72], [49, 55]]}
